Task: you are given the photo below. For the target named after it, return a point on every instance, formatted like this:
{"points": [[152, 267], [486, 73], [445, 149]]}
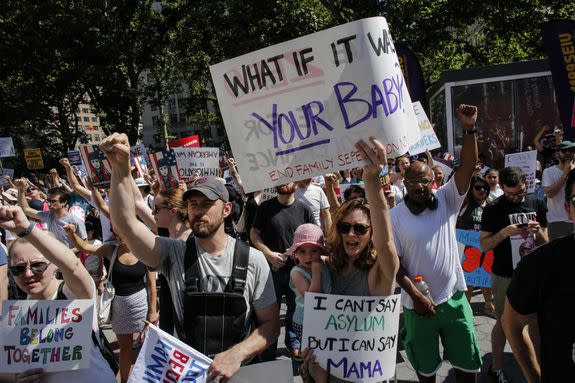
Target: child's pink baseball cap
{"points": [[308, 233]]}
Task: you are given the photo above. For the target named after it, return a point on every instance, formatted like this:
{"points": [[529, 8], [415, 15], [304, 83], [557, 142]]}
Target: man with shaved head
{"points": [[424, 232]]}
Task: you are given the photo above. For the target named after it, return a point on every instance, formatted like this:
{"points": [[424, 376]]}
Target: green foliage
{"points": [[55, 53]]}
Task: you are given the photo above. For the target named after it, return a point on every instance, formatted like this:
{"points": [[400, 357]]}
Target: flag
{"points": [[559, 43], [164, 358]]}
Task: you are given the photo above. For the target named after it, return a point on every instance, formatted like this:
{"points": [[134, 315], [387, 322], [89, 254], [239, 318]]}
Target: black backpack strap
{"points": [[60, 296], [192, 267], [237, 281]]}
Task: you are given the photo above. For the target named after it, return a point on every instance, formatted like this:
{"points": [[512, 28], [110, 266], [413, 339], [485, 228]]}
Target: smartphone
{"points": [[521, 225]]}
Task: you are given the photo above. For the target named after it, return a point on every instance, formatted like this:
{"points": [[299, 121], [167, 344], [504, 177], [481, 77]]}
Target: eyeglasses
{"points": [[423, 181], [481, 188], [35, 267], [358, 228], [51, 201], [520, 193], [156, 210]]}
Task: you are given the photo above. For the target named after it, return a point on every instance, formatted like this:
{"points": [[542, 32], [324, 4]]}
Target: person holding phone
{"points": [[511, 226]]}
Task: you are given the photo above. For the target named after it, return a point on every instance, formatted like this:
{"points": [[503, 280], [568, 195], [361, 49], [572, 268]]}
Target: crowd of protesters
{"points": [[207, 243]]}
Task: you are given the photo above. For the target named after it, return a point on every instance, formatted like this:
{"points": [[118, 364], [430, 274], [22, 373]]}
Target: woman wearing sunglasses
{"points": [[363, 258], [33, 260], [470, 219]]}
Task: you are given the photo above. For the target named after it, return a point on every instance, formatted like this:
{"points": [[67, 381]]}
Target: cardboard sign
{"points": [[55, 335], [278, 371], [527, 161], [186, 142], [475, 263], [203, 161], [34, 158], [7, 147], [96, 164], [164, 358], [74, 157], [268, 193], [353, 338], [6, 172], [428, 140], [295, 110], [166, 168], [139, 159]]}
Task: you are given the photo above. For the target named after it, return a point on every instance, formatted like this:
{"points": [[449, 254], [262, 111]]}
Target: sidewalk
{"points": [[404, 372]]}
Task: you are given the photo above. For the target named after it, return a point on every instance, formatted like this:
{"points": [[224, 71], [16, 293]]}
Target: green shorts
{"points": [[453, 323]]}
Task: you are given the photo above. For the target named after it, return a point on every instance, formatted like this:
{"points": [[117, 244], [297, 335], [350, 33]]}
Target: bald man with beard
{"points": [[424, 233]]}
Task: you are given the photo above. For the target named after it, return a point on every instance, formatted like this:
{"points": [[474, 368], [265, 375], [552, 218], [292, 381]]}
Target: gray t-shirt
{"points": [[216, 271], [55, 226]]}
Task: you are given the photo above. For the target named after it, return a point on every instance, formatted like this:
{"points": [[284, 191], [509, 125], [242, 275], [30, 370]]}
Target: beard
{"points": [[205, 230], [286, 189]]}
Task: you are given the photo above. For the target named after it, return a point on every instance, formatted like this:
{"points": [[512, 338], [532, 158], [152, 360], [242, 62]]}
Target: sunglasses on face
{"points": [[35, 267], [423, 181], [358, 228], [520, 193], [481, 187]]}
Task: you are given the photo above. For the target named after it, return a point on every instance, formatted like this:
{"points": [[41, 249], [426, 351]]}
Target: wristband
{"points": [[26, 231], [471, 131]]}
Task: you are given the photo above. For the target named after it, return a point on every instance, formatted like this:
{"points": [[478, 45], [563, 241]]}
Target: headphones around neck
{"points": [[417, 209]]}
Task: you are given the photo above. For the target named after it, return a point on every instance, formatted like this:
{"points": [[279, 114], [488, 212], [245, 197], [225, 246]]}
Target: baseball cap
{"points": [[11, 195], [212, 187], [308, 233], [565, 145], [141, 182]]}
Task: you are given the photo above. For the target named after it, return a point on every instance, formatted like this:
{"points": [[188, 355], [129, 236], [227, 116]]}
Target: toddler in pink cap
{"points": [[310, 274]]}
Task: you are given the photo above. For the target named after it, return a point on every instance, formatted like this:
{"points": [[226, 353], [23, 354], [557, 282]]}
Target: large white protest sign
{"points": [[278, 371], [295, 110], [428, 139], [203, 161], [353, 338], [164, 358], [527, 161], [52, 335], [7, 147]]}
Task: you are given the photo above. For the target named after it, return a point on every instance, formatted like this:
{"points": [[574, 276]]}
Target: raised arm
{"points": [[74, 183], [23, 203], [142, 242], [75, 275], [381, 277], [142, 209], [85, 246], [538, 136], [233, 168], [467, 116], [331, 181]]}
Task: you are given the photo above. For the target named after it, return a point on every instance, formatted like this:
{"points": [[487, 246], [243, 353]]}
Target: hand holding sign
{"points": [[224, 366], [374, 158], [467, 116], [117, 149]]}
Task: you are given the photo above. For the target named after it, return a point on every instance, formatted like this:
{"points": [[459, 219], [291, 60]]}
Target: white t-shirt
{"points": [[427, 245], [314, 197], [105, 223], [555, 205], [494, 194], [99, 370]]}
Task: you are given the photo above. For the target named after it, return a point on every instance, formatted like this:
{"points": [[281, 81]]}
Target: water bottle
{"points": [[422, 287]]}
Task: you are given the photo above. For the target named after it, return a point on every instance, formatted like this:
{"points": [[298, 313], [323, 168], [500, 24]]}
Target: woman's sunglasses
{"points": [[358, 228], [480, 188], [35, 267]]}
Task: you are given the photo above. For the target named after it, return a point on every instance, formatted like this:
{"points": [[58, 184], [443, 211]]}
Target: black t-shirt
{"points": [[543, 284], [470, 218], [277, 222], [499, 215]]}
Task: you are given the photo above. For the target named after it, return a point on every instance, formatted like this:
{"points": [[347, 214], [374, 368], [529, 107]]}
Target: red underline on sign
{"points": [[317, 143], [278, 92]]}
